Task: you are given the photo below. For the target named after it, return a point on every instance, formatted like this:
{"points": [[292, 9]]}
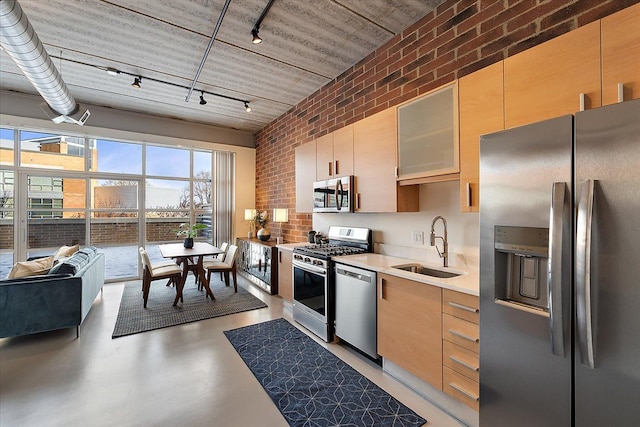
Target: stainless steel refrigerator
{"points": [[560, 271]]}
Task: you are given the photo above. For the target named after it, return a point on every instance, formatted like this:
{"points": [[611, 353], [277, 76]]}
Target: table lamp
{"points": [[280, 215], [249, 215]]}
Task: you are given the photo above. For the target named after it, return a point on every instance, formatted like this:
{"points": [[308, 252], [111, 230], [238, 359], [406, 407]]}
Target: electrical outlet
{"points": [[417, 237]]}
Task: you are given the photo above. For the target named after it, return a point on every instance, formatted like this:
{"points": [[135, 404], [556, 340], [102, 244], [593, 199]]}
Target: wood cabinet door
{"points": [[324, 157], [305, 176], [546, 81], [481, 111], [374, 161], [621, 54], [409, 326], [343, 151], [285, 278]]}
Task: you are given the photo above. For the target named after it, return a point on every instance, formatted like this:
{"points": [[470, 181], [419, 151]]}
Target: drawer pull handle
{"points": [[465, 364], [463, 336], [463, 307], [465, 392]]}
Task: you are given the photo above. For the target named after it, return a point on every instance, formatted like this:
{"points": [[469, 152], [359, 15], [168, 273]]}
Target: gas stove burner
{"points": [[342, 241], [329, 250]]}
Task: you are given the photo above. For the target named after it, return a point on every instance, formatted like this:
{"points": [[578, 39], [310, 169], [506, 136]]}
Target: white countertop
{"points": [[290, 246], [467, 283]]}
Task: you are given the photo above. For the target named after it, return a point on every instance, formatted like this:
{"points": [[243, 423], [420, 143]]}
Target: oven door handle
{"points": [[310, 268]]}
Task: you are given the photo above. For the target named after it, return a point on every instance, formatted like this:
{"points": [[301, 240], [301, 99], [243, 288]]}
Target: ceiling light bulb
{"points": [[246, 107], [137, 82], [112, 71], [256, 38], [202, 101]]}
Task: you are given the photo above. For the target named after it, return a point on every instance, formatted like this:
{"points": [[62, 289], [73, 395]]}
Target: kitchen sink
{"points": [[426, 271]]}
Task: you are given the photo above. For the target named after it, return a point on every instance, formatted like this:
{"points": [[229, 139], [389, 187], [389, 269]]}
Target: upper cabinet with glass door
{"points": [[428, 137]]}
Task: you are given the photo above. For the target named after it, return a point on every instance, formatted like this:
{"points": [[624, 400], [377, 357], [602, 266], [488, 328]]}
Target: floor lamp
{"points": [[280, 215], [249, 215]]}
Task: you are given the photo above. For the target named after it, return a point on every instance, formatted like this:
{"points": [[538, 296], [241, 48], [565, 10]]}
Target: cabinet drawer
{"points": [[461, 360], [461, 388], [461, 305], [461, 332]]}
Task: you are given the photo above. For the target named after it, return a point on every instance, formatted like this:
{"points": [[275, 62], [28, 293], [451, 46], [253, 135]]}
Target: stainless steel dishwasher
{"points": [[356, 313]]}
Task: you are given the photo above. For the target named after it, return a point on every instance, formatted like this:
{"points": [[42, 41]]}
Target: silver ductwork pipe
{"points": [[20, 41]]}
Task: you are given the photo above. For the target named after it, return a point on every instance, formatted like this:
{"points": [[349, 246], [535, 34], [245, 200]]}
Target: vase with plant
{"points": [[188, 231], [261, 220]]}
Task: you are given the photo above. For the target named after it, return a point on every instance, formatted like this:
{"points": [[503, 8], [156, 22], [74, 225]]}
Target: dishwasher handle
{"points": [[358, 276]]}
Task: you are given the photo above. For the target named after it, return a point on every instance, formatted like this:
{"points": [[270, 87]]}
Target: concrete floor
{"points": [[186, 375]]}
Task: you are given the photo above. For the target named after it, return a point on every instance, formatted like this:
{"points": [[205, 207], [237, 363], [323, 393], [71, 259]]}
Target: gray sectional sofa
{"points": [[60, 299]]}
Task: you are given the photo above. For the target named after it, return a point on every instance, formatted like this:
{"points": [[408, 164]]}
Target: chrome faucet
{"points": [[445, 250]]}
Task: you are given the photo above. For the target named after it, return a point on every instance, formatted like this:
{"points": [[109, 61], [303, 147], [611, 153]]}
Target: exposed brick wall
{"points": [[458, 38]]}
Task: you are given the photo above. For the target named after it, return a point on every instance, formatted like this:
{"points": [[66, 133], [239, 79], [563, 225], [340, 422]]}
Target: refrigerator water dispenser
{"points": [[521, 255]]}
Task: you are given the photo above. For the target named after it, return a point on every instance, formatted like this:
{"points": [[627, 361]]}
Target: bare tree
{"points": [[6, 199], [201, 191]]}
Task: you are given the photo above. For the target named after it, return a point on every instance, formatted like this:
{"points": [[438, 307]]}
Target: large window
{"points": [[115, 195], [118, 157], [45, 150]]}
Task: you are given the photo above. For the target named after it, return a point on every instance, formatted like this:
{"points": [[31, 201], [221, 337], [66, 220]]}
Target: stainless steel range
{"points": [[313, 277]]}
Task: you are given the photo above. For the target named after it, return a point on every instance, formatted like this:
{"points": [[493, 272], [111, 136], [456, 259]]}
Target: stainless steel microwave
{"points": [[333, 195]]}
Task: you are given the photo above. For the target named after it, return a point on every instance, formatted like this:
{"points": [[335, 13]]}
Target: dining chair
{"points": [[219, 257], [162, 270], [228, 265]]}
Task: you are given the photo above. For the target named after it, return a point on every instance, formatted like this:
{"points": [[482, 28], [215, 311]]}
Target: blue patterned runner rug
{"points": [[311, 386]]}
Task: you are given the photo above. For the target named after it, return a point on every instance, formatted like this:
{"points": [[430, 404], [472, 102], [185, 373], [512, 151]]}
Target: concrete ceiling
{"points": [[307, 43]]}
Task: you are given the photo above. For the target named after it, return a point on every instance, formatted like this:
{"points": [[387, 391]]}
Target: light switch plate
{"points": [[417, 237]]}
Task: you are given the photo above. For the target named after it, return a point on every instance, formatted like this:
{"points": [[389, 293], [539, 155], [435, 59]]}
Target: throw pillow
{"points": [[31, 268], [66, 251]]}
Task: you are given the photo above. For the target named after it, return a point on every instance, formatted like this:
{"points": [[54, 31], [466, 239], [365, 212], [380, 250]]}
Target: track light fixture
{"points": [[256, 38], [256, 28], [137, 81]]}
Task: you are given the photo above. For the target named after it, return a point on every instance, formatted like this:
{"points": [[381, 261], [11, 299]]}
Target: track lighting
{"points": [[256, 38], [256, 27], [137, 82]]}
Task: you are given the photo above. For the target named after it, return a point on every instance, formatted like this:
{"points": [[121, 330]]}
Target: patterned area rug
{"points": [[160, 312], [309, 385]]}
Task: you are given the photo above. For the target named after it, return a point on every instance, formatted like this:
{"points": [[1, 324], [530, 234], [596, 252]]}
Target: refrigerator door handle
{"points": [[583, 273], [559, 210]]}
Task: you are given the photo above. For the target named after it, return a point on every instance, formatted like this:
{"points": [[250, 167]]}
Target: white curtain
{"points": [[224, 175]]}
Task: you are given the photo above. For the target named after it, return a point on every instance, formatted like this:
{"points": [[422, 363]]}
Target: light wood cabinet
{"points": [[461, 388], [621, 54], [481, 111], [461, 305], [374, 161], [428, 135], [305, 176], [409, 326], [546, 81], [461, 347], [335, 154], [285, 274], [461, 332], [461, 360]]}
